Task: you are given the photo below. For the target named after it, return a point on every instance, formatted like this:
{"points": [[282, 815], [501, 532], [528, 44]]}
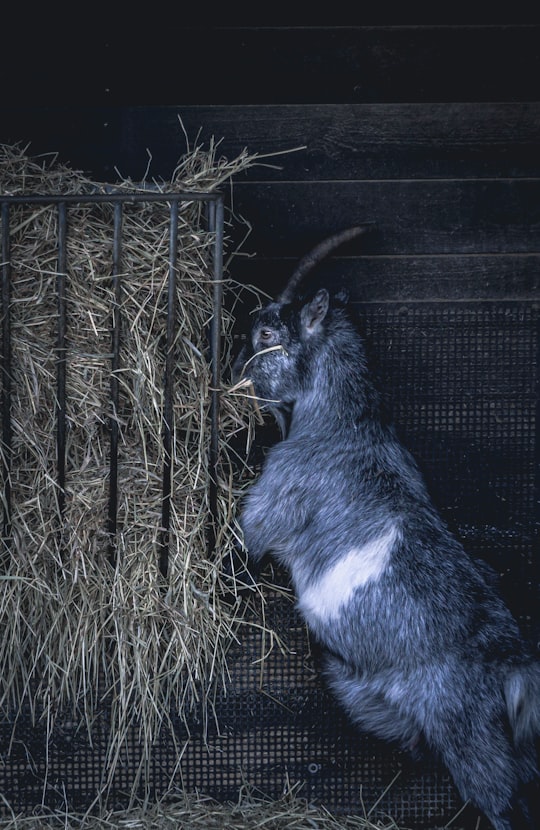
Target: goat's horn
{"points": [[310, 260]]}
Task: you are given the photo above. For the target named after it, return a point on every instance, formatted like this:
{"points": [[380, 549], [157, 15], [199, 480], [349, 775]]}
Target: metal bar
{"points": [[536, 514], [168, 392], [214, 203], [216, 226], [114, 388], [6, 377], [61, 357], [112, 197]]}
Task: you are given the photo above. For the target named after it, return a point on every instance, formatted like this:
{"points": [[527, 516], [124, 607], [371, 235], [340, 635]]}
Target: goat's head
{"points": [[277, 357]]}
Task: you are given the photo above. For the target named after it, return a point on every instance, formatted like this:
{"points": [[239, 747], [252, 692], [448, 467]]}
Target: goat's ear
{"points": [[314, 312]]}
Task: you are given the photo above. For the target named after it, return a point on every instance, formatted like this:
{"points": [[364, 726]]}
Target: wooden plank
{"points": [[405, 278], [411, 217], [339, 64], [280, 64], [357, 141]]}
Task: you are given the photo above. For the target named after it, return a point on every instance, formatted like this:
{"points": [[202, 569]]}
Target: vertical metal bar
{"points": [[168, 391], [536, 512], [114, 389], [6, 376], [61, 358], [215, 225]]}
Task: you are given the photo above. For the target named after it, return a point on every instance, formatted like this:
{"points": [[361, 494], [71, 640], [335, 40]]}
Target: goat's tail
{"points": [[522, 692]]}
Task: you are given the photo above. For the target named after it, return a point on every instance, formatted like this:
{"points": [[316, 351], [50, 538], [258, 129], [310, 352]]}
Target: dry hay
{"points": [[195, 812], [76, 631]]}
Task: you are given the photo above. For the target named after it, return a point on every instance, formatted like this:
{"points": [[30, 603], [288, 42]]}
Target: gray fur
{"points": [[421, 648]]}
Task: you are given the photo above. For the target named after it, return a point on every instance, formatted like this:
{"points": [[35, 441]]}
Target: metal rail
{"points": [[215, 217]]}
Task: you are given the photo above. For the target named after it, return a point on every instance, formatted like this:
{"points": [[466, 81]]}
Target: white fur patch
{"points": [[334, 589]]}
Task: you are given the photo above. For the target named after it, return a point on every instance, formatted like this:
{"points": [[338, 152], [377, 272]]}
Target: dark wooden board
{"points": [[358, 141], [405, 278], [411, 217], [344, 64], [341, 142], [143, 61]]}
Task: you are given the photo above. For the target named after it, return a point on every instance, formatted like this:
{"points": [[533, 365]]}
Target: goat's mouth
{"points": [[247, 384], [246, 389], [243, 383], [245, 379]]}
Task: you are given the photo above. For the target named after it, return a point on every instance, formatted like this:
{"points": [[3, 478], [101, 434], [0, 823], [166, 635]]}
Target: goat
{"points": [[419, 647]]}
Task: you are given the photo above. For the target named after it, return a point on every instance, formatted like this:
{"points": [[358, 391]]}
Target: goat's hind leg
{"points": [[481, 759], [468, 735], [364, 700]]}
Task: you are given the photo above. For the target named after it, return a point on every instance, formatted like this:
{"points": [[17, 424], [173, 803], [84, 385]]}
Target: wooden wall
{"points": [[430, 131]]}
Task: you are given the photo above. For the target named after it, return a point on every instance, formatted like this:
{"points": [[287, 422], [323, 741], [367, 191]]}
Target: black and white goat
{"points": [[419, 646]]}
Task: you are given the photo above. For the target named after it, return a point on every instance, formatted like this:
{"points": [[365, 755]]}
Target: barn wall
{"points": [[430, 132]]}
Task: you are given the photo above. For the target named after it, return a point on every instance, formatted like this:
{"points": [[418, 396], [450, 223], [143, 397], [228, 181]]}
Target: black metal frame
{"points": [[215, 219]]}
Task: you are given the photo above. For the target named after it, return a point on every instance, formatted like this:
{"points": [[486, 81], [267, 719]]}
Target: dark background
{"points": [[432, 132]]}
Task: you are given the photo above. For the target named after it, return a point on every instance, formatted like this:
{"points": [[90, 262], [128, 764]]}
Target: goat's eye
{"points": [[265, 335]]}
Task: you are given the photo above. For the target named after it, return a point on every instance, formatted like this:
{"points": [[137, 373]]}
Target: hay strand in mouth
{"points": [[277, 348], [245, 383]]}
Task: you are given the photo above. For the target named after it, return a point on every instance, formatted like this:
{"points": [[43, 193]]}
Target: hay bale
{"points": [[75, 628]]}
